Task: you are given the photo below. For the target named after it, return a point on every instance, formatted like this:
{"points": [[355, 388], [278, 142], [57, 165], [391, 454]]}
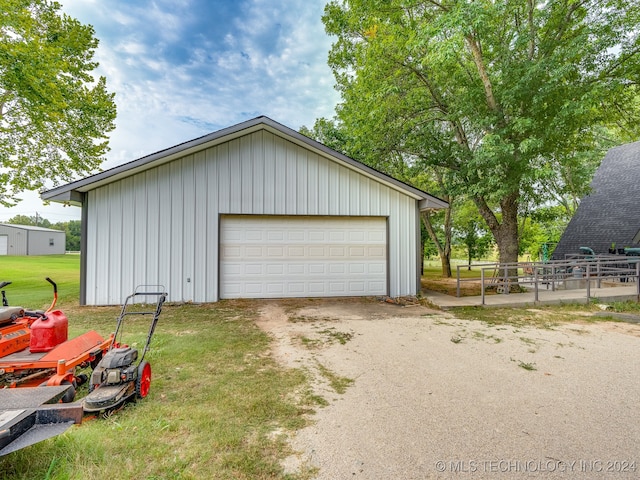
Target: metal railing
{"points": [[573, 271]]}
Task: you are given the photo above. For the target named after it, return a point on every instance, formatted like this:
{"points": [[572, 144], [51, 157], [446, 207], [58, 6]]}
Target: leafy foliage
{"points": [[54, 116], [506, 99], [470, 231]]}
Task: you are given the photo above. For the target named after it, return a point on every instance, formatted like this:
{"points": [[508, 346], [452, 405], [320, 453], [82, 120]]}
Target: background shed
{"points": [[30, 240]]}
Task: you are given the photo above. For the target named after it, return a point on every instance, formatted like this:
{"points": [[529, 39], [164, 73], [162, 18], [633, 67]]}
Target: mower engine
{"points": [[116, 367]]}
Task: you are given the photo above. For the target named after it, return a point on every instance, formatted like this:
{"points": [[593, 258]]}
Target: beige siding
{"points": [[161, 226]]}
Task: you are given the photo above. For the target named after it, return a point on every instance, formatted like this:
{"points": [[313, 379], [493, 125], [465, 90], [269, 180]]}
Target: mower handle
{"points": [[55, 294], [5, 303], [55, 287]]}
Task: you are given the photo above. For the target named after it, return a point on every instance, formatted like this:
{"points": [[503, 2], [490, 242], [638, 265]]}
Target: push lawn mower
{"points": [[117, 377]]}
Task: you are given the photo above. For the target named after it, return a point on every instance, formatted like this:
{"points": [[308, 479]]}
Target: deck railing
{"points": [[575, 271]]}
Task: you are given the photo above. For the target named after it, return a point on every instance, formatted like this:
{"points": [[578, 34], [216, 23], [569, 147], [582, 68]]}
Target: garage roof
{"points": [[72, 192], [30, 227]]}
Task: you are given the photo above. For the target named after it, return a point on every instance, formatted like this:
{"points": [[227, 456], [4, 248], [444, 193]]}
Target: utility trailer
{"points": [[30, 415]]}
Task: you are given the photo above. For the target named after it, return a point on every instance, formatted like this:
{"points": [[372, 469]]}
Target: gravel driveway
{"points": [[438, 397]]}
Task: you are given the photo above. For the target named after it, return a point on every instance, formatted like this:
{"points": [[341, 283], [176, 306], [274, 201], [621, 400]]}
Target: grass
{"points": [[338, 384], [432, 279], [28, 285], [527, 366], [217, 405], [220, 407]]}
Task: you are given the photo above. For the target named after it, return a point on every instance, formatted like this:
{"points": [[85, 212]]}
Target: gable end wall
{"points": [[161, 226]]}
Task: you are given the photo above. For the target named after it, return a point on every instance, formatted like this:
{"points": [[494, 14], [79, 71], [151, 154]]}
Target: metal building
{"points": [[255, 210], [29, 240]]}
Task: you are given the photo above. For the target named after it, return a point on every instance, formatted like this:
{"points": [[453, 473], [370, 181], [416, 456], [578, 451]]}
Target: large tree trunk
{"points": [[505, 233]]}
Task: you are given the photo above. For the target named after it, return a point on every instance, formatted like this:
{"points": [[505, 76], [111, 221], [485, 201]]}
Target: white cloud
{"points": [[181, 70]]}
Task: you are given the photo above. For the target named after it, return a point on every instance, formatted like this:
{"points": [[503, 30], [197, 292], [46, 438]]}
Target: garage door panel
{"points": [[274, 256], [255, 235], [357, 287], [297, 236], [254, 269], [317, 269], [275, 236], [274, 288], [317, 236], [277, 269], [357, 268]]}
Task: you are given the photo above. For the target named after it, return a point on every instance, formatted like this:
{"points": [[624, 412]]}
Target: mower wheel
{"points": [[70, 394], [143, 382]]}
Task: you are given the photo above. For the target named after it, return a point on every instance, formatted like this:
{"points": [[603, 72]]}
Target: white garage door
{"points": [[4, 244], [284, 256]]}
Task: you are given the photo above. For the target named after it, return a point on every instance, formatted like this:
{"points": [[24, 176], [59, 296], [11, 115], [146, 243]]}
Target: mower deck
{"points": [[64, 357], [108, 397]]}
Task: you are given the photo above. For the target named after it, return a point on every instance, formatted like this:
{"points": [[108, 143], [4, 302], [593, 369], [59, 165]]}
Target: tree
{"points": [[72, 229], [54, 116], [470, 231], [544, 225], [34, 221], [500, 96]]}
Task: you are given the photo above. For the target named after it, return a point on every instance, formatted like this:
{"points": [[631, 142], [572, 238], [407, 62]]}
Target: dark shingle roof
{"points": [[611, 212]]}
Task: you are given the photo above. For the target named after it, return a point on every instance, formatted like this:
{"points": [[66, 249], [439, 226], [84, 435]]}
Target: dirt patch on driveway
{"points": [[426, 395]]}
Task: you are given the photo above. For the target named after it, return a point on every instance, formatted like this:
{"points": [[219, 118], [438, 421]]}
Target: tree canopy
{"points": [[507, 98], [54, 116]]}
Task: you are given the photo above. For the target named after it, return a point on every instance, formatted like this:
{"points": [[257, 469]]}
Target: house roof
{"points": [[610, 213], [30, 227], [72, 192]]}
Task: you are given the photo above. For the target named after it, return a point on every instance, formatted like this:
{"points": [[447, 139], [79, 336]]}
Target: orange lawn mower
{"points": [[35, 350]]}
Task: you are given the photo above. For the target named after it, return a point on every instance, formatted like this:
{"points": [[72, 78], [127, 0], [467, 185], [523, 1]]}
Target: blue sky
{"points": [[184, 68]]}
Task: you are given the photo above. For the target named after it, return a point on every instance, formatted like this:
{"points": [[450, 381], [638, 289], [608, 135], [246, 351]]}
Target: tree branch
{"points": [[532, 29], [478, 59]]}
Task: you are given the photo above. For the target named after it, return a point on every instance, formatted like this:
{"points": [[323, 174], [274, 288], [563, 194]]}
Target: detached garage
{"points": [[256, 210], [30, 240]]}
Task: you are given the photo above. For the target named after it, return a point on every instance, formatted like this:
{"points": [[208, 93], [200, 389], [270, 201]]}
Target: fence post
{"points": [[638, 279], [458, 281], [507, 287], [482, 283], [553, 278], [588, 282], [535, 281], [598, 274]]}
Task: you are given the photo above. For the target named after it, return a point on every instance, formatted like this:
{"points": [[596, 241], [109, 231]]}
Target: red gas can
{"points": [[48, 332]]}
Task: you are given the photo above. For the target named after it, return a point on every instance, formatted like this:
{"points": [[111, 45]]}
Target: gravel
{"points": [[438, 397]]}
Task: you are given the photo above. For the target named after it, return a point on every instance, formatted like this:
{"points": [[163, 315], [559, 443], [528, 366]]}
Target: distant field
{"points": [[28, 285]]}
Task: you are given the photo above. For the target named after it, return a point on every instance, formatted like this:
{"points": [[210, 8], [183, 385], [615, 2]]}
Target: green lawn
{"points": [[28, 285], [219, 406]]}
